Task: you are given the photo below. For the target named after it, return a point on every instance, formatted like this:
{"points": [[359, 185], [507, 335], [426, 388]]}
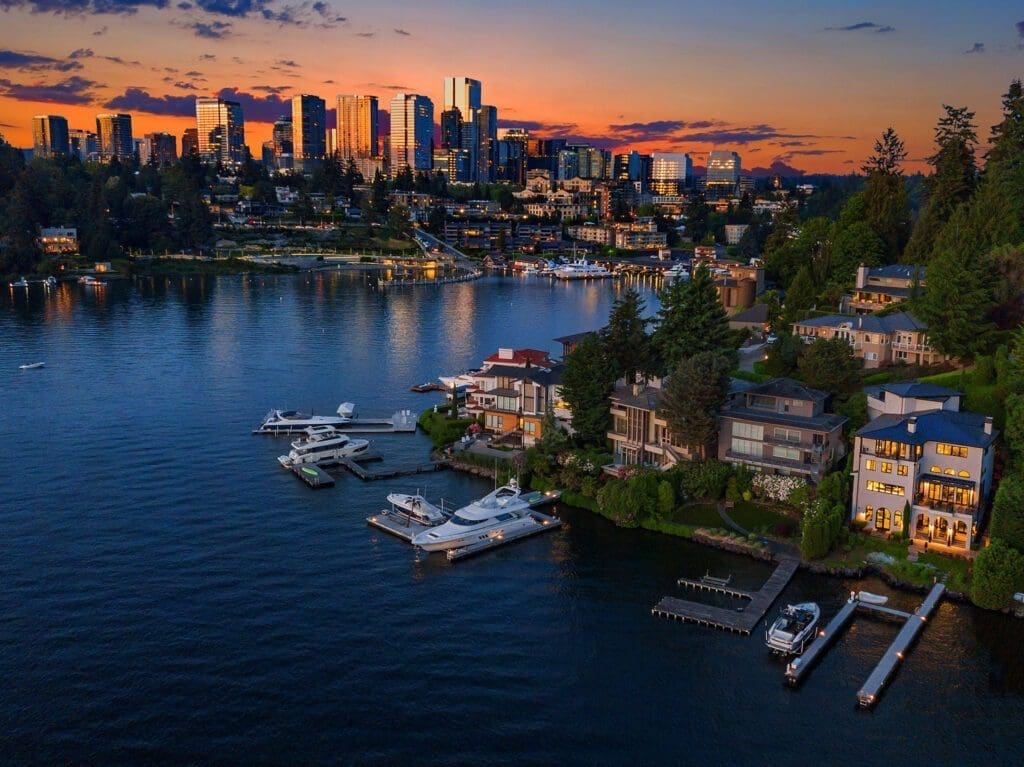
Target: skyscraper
{"points": [[49, 136], [83, 144], [723, 174], [190, 142], [451, 129], [671, 172], [357, 127], [115, 136], [512, 153], [487, 141], [158, 148], [309, 131], [221, 130], [462, 93], [412, 132]]}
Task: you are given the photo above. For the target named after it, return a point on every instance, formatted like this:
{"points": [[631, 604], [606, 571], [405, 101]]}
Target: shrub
{"points": [[748, 495], [666, 498], [701, 479], [776, 488], [732, 491], [998, 574]]}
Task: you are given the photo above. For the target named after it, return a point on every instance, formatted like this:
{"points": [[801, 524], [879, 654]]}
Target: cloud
{"points": [[658, 130], [402, 32], [365, 34], [1020, 31], [72, 90], [976, 48], [866, 26], [286, 63], [213, 30], [139, 100], [185, 86], [378, 86], [537, 126], [34, 62], [261, 109], [101, 31], [194, 73], [88, 53], [78, 7], [740, 135], [208, 57]]}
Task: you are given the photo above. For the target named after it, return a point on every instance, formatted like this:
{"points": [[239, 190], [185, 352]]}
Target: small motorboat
{"points": [[793, 629], [869, 598], [32, 366], [416, 508], [425, 387]]}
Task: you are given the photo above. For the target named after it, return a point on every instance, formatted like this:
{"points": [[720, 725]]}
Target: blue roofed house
{"points": [[922, 465], [898, 338], [879, 287]]}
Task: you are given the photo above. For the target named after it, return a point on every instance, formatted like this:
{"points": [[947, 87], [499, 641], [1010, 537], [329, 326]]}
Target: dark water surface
{"points": [[169, 595]]}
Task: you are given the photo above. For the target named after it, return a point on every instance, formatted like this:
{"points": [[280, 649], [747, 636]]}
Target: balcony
{"points": [[806, 465], [912, 348], [945, 507]]}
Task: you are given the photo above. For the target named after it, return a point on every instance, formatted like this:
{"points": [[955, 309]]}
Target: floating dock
{"points": [[538, 498], [402, 422], [369, 476], [313, 475], [396, 524], [543, 521], [740, 620]]}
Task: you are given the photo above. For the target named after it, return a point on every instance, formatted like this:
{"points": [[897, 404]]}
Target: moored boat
{"points": [[295, 422], [498, 514], [323, 446], [416, 508], [791, 631], [32, 366]]}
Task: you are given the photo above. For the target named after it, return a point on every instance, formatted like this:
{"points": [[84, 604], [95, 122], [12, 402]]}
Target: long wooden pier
{"points": [[741, 620], [406, 471]]}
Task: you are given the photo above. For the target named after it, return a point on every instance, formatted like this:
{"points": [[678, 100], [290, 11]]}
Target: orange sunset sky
{"points": [[810, 85]]}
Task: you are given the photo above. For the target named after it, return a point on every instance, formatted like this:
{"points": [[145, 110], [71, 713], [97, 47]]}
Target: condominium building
{"points": [[357, 127], [309, 132], [158, 148], [671, 172], [898, 338], [412, 132], [781, 427], [83, 144], [115, 136], [923, 466], [722, 178], [50, 136], [190, 142], [221, 130]]}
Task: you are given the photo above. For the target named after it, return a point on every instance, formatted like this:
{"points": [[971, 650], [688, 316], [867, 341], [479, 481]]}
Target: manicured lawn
{"points": [[958, 571], [978, 397], [698, 515], [755, 516]]}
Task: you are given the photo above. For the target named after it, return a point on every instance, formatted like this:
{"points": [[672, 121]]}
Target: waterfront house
{"points": [[882, 286], [898, 338], [923, 466], [781, 427], [639, 435], [58, 241]]}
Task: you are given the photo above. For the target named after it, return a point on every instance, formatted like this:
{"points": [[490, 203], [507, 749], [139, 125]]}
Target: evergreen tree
{"points": [[553, 439], [957, 302], [886, 203], [587, 381], [691, 320], [783, 355], [952, 181], [998, 575], [1008, 512], [692, 397], [800, 297], [624, 340], [829, 364]]}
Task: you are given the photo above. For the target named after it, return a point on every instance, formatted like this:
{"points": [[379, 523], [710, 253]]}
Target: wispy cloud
{"points": [[27, 61], [78, 7], [402, 32], [214, 30], [140, 100], [863, 26], [976, 48]]}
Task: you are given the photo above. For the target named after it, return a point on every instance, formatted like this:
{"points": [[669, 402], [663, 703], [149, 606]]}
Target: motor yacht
{"points": [[416, 508], [580, 269], [793, 629], [499, 513], [677, 271], [91, 282], [294, 422], [323, 446], [32, 366]]}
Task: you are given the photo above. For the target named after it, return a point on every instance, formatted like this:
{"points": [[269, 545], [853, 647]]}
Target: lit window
{"points": [[901, 470], [886, 467], [963, 473], [870, 465]]}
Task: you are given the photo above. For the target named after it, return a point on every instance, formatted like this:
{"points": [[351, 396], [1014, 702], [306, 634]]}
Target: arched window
{"points": [[883, 518], [897, 519], [868, 511], [950, 472], [964, 473]]}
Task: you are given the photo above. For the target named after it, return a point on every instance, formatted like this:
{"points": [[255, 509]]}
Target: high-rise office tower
{"points": [[221, 130], [158, 148], [723, 174], [671, 172], [49, 136], [593, 163], [412, 132], [512, 152], [487, 141], [115, 136], [309, 131], [190, 142], [83, 144], [357, 127], [462, 93], [451, 129]]}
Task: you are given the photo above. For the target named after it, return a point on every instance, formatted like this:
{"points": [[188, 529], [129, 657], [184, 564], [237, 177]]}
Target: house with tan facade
{"points": [[880, 287], [892, 339], [923, 466]]}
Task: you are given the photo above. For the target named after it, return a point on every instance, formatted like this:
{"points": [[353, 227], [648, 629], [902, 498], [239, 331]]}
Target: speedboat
{"points": [[294, 422], [91, 282], [32, 366], [416, 508], [499, 513], [323, 446], [21, 282], [580, 269], [793, 629]]}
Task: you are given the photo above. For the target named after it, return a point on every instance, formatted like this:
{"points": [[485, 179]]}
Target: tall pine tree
{"points": [[691, 320], [587, 381], [886, 204], [624, 340]]}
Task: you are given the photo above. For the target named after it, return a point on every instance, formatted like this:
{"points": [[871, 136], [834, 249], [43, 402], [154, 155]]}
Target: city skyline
{"points": [[673, 79]]}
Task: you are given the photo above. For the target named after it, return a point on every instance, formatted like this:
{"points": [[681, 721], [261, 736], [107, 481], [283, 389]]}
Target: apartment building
{"points": [[898, 338], [922, 465]]}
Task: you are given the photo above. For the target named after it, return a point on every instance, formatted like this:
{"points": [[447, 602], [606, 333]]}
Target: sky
{"points": [[808, 85]]}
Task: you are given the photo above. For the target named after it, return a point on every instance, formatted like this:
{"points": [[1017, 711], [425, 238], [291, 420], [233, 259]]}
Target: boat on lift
{"points": [[790, 633], [416, 508], [295, 422]]}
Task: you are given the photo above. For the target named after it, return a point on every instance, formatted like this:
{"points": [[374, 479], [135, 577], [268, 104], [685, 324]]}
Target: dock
{"points": [[544, 523], [741, 620], [396, 525], [402, 422], [313, 475], [537, 498], [353, 465]]}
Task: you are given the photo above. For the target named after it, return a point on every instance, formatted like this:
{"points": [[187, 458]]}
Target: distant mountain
{"points": [[784, 170]]}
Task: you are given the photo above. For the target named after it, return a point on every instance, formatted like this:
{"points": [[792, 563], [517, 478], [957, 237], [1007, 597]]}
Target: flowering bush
{"points": [[776, 488]]}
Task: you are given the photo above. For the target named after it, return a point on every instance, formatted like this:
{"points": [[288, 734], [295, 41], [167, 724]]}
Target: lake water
{"points": [[169, 595]]}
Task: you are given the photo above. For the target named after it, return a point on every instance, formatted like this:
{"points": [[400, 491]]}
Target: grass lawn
{"points": [[956, 570], [698, 515], [978, 397], [757, 517]]}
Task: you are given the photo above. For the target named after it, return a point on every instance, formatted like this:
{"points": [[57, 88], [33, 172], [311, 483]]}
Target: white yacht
{"points": [[496, 515], [294, 422], [580, 269], [793, 629], [32, 366], [323, 446], [91, 282], [416, 508], [467, 378], [677, 271]]}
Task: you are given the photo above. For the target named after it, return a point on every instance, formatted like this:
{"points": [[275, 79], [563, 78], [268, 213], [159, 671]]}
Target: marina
{"points": [[739, 621]]}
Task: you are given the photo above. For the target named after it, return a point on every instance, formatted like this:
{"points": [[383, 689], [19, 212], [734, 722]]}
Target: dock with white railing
{"points": [[402, 422]]}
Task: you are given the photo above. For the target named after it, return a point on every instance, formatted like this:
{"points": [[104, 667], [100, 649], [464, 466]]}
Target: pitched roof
{"points": [[902, 271], [871, 323], [757, 313], [788, 388], [521, 357], [948, 426], [919, 390]]}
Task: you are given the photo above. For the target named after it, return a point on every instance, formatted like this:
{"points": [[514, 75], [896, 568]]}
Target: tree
{"points": [[435, 220], [783, 355], [886, 204], [829, 364], [624, 340], [951, 183], [1008, 512], [800, 297], [998, 575], [956, 305], [691, 320], [587, 381], [553, 439], [692, 397], [398, 221]]}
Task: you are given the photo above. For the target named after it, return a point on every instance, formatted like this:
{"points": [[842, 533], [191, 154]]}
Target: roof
{"points": [[575, 338], [919, 390], [789, 389], [949, 426], [824, 421], [901, 271], [521, 357], [647, 399], [870, 323], [503, 392], [757, 313]]}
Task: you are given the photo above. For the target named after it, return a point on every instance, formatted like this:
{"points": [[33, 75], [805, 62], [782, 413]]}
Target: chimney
{"points": [[862, 277], [988, 424], [912, 425], [505, 354]]}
